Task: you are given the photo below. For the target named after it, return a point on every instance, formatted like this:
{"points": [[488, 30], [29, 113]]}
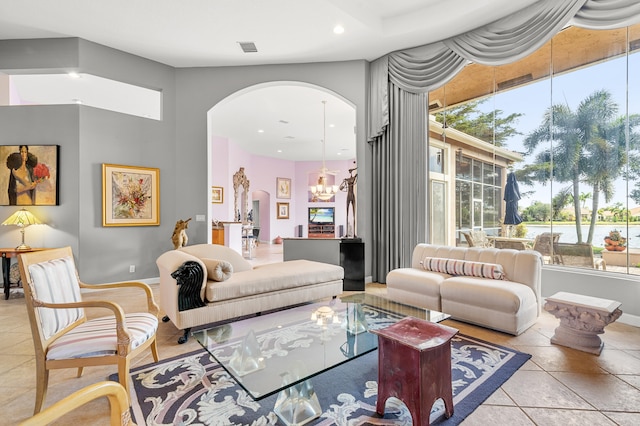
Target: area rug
{"points": [[194, 390]]}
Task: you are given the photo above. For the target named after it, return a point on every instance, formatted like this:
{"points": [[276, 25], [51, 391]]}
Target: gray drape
{"points": [[399, 204], [394, 124]]}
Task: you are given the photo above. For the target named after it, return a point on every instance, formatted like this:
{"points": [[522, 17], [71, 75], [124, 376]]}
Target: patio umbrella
{"points": [[511, 197]]}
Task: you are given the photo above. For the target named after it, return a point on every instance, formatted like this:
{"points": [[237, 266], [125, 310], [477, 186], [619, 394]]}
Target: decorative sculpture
{"points": [[179, 237], [348, 184], [240, 181]]}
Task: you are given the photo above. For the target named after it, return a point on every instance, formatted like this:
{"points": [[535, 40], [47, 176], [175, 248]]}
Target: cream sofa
{"points": [[248, 290], [511, 304]]}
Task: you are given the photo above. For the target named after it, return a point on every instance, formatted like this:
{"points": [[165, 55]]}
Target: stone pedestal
{"points": [[582, 319]]}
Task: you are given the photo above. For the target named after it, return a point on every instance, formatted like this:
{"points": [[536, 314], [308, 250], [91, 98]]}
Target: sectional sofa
{"points": [[218, 284], [494, 288]]}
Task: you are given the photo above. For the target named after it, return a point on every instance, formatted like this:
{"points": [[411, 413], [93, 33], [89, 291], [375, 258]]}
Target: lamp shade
{"points": [[22, 218]]}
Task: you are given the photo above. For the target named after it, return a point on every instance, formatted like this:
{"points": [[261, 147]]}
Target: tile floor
{"points": [[558, 386]]}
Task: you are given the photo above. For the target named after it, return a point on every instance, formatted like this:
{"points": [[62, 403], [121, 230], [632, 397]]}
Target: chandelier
{"points": [[322, 190]]}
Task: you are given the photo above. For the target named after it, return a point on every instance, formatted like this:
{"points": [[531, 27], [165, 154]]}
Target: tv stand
{"points": [[322, 231]]}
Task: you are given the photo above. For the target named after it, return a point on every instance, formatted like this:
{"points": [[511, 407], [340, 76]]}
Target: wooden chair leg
{"points": [[154, 350], [42, 381], [123, 375], [80, 370]]}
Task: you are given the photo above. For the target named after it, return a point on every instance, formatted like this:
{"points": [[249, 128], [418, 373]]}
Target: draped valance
{"points": [[422, 69]]}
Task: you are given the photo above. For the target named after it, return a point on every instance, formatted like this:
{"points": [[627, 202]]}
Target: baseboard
{"points": [[629, 319]]}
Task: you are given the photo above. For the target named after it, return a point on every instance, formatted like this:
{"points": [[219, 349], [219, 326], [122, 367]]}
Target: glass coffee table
{"points": [[281, 351]]}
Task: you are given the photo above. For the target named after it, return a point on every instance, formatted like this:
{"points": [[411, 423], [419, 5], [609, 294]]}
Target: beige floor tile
{"points": [[499, 397], [603, 391], [10, 361], [615, 361], [632, 379], [560, 358], [548, 417], [496, 415], [540, 389], [624, 419]]}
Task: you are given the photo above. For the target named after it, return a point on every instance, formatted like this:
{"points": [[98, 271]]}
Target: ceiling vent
{"points": [[248, 46], [517, 81]]}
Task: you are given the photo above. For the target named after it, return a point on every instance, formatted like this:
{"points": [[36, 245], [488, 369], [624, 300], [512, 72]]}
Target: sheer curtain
{"points": [[399, 85]]}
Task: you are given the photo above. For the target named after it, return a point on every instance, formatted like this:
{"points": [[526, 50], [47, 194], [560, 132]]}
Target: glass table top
{"points": [[268, 353]]}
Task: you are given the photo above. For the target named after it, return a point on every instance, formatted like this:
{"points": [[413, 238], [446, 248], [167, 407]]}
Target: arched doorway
{"points": [[275, 131]]}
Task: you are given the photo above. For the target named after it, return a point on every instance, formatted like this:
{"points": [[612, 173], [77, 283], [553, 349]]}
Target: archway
{"points": [[250, 126]]}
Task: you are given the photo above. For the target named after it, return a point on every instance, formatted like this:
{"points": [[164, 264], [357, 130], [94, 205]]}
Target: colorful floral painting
{"points": [[130, 196]]}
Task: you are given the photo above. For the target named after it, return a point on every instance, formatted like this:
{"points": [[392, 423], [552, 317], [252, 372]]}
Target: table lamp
{"points": [[22, 218]]}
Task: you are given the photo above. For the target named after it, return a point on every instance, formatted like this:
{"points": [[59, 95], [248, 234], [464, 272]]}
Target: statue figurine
{"points": [[348, 185], [179, 237]]}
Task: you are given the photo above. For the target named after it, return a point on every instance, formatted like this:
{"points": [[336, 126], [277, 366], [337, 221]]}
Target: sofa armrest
{"points": [[168, 263]]}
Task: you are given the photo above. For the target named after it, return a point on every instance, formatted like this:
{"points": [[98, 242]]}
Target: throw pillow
{"points": [[464, 267], [218, 270]]}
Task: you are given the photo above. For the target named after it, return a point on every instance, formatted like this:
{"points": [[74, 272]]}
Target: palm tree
{"points": [[584, 196], [587, 146]]}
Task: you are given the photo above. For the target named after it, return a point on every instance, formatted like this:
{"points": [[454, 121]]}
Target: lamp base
{"points": [[23, 247]]}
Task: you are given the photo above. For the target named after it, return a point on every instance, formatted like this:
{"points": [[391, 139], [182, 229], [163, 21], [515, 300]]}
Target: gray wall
{"points": [[89, 137], [200, 89], [177, 145]]}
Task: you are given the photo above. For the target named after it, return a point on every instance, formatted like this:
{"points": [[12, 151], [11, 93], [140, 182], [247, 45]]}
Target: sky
{"points": [[533, 100]]}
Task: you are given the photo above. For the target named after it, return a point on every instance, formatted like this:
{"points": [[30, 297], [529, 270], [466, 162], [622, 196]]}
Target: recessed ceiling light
{"points": [[338, 29], [279, 150], [332, 125], [260, 131], [339, 153], [77, 101], [73, 74]]}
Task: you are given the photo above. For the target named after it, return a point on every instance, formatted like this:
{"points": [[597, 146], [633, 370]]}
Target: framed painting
{"points": [[283, 210], [30, 176], [130, 195], [283, 188], [217, 194]]}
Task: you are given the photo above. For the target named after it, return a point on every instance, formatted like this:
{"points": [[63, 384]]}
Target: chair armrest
{"points": [[118, 400], [122, 332], [151, 304]]}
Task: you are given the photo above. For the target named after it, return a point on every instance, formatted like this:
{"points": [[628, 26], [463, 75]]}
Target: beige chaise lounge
{"points": [[494, 288], [244, 291]]}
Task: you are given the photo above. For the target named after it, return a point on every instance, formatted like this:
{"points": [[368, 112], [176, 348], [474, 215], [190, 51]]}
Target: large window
{"points": [[572, 110], [478, 204]]}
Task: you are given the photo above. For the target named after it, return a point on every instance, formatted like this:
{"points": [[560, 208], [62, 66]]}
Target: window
{"points": [[572, 112]]}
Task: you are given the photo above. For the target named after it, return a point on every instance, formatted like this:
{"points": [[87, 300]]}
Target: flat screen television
{"points": [[322, 215]]}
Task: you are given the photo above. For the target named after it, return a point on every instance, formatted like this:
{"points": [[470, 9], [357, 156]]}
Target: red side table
{"points": [[414, 365]]}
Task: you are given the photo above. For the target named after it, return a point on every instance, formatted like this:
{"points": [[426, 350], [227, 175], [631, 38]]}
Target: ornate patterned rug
{"points": [[193, 389]]}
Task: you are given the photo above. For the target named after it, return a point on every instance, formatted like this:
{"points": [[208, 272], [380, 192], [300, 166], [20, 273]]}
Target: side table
{"points": [[7, 254], [582, 318], [414, 365]]}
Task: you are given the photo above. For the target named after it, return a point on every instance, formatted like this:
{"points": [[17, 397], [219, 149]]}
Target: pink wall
{"points": [[262, 173]]}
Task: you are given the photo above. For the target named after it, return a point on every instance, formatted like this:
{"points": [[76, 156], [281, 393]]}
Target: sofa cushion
{"points": [[273, 277], [498, 295], [218, 270], [464, 267]]}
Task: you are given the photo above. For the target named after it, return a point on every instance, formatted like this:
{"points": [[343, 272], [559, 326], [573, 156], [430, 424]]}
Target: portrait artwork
{"points": [[29, 176]]}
